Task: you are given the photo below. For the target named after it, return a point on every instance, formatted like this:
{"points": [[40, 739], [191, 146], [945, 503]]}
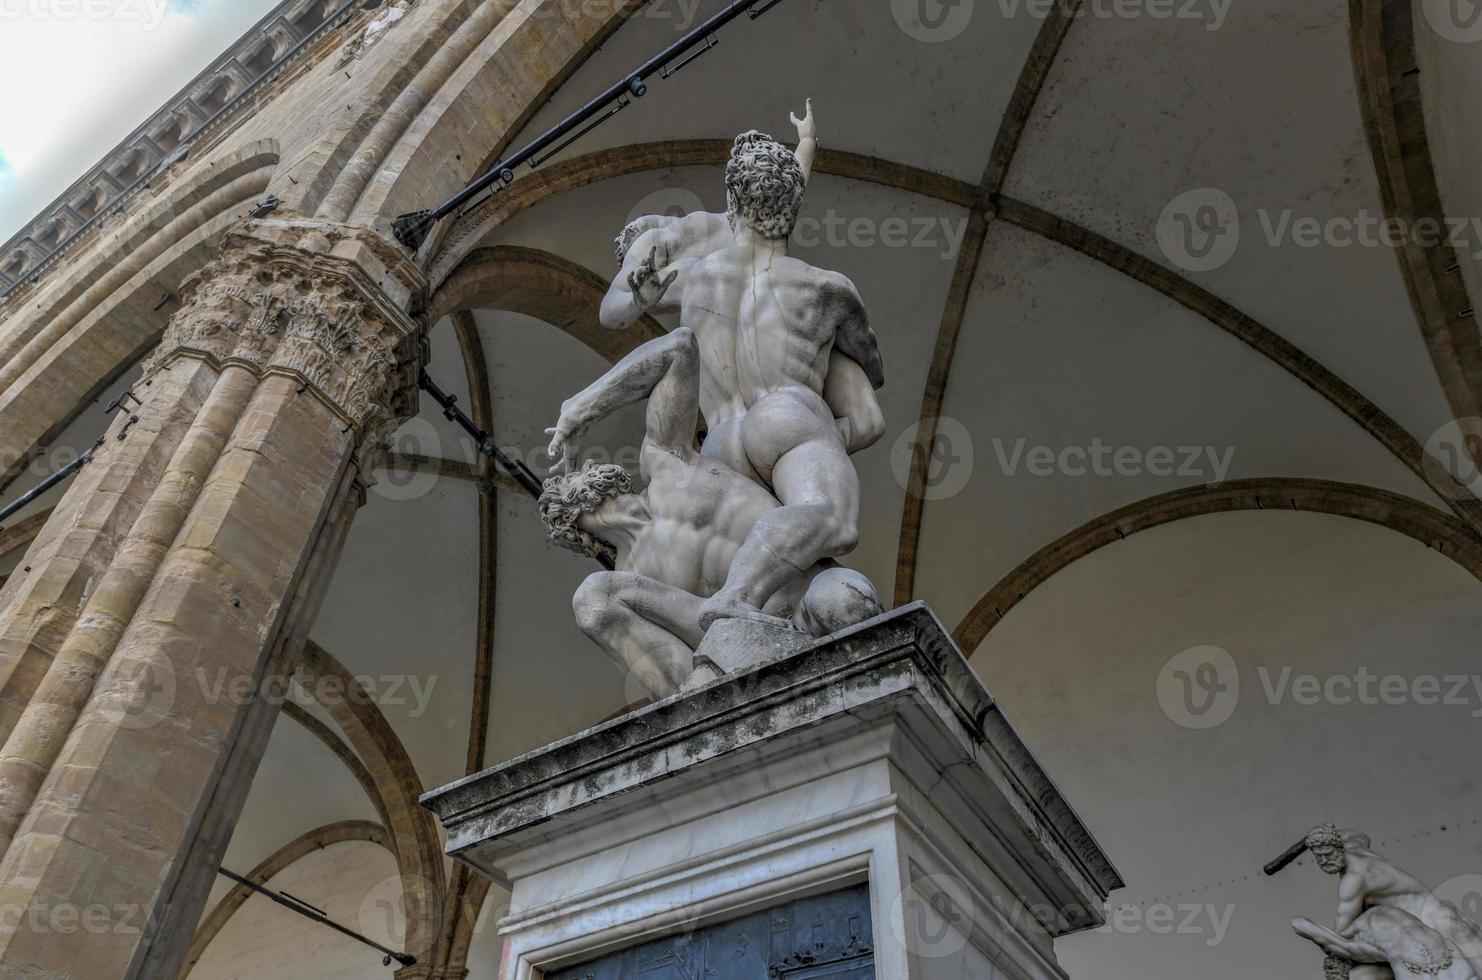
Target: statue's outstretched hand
{"points": [[647, 286], [807, 127], [565, 444]]}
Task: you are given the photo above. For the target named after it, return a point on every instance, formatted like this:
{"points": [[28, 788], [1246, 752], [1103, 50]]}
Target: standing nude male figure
{"points": [[678, 242], [774, 334]]}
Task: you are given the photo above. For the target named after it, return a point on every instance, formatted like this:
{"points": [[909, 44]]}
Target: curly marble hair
{"points": [[567, 497], [625, 239], [1325, 835], [764, 185]]}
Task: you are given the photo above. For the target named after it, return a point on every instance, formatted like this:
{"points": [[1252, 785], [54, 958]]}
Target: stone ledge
{"points": [[901, 667]]}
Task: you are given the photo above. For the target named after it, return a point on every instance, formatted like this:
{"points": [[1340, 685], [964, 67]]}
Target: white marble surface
{"points": [[876, 756]]}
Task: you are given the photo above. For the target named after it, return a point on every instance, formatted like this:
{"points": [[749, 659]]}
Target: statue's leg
{"points": [[648, 628], [819, 518]]}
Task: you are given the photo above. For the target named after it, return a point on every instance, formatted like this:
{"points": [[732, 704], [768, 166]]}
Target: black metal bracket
{"points": [[622, 104], [485, 440], [123, 398], [412, 229], [710, 42], [265, 207], [15, 506], [517, 470], [505, 179]]}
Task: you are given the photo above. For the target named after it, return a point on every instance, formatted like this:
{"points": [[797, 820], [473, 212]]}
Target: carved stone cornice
{"points": [[319, 302]]}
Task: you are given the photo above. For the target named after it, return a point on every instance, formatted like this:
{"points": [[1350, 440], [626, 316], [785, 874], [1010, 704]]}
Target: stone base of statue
{"points": [[857, 809]]}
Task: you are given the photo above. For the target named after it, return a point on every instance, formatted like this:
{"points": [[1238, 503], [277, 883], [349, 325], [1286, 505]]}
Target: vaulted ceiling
{"points": [[997, 187]]}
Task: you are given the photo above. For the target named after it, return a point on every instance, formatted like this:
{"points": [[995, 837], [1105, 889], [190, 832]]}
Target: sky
{"points": [[77, 76]]}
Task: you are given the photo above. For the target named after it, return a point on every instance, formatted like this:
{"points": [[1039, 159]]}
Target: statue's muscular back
{"points": [[766, 324], [701, 512]]}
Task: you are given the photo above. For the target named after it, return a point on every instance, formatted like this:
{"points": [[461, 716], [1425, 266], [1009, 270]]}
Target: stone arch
{"points": [[91, 202], [171, 133], [309, 15], [541, 285], [216, 94], [1382, 34], [1403, 515], [464, 234], [277, 862], [16, 267], [457, 248], [132, 167], [262, 59], [506, 58], [412, 831], [49, 236], [84, 330]]}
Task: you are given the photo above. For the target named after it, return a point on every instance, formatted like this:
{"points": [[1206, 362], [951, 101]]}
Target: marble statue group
{"points": [[741, 518], [1389, 925]]}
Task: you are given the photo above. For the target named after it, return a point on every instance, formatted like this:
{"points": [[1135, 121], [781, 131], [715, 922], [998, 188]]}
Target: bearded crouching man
{"points": [[788, 370], [1387, 916], [672, 543]]}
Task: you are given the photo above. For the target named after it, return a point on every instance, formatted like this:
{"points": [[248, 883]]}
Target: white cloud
{"points": [[77, 76]]}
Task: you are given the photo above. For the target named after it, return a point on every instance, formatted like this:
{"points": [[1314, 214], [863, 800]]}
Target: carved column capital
{"points": [[321, 302]]}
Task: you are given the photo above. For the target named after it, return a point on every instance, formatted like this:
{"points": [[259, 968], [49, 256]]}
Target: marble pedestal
{"points": [[872, 758]]}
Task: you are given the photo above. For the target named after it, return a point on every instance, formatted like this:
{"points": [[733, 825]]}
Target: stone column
{"points": [[208, 532]]}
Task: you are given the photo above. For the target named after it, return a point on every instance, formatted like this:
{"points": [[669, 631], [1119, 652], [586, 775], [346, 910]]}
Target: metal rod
{"points": [[517, 470], [1287, 857], [15, 506], [412, 229], [449, 404], [405, 959]]}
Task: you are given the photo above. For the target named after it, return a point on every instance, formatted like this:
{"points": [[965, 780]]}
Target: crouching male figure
{"points": [[673, 542]]}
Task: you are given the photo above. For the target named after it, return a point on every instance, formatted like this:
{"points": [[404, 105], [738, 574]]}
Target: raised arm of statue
{"points": [[642, 287], [656, 249], [807, 139], [1350, 902], [666, 371]]}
